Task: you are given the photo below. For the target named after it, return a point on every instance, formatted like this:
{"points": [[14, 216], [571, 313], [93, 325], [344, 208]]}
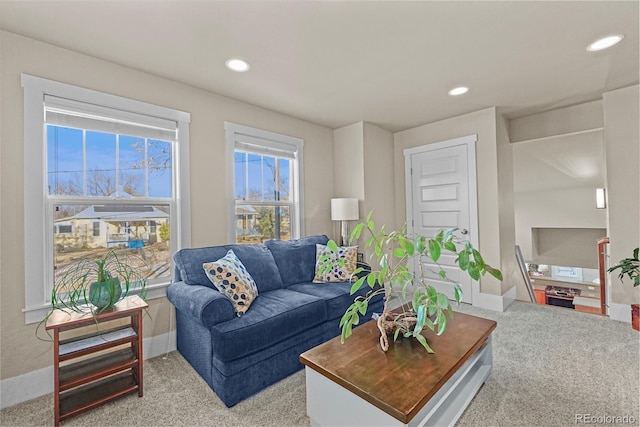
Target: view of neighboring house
{"points": [[110, 226], [246, 221], [265, 223]]}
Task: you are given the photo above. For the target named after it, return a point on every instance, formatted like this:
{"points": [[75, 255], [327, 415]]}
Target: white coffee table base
{"points": [[329, 404]]}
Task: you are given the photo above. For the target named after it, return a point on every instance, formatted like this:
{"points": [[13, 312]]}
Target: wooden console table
{"points": [[98, 364], [357, 384]]}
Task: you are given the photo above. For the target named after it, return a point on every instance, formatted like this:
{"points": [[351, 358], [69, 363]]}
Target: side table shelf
{"points": [[99, 365]]}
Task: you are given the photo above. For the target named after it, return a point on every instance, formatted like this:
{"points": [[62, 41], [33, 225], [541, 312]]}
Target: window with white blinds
{"points": [[114, 176], [83, 115], [265, 188]]}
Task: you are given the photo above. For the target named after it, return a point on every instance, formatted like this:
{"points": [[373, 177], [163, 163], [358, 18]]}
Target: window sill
{"points": [[38, 313]]}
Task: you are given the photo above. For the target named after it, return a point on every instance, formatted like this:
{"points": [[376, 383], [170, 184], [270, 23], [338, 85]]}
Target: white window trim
{"points": [[235, 132], [35, 235]]}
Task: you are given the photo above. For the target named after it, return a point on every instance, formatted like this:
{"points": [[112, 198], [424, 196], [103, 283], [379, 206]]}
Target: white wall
{"points": [[506, 216], [574, 119], [378, 183], [563, 208], [622, 144], [20, 351], [348, 161], [363, 161]]}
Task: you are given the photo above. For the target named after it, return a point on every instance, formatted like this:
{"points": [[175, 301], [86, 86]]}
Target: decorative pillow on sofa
{"points": [[296, 259], [232, 279], [338, 273]]}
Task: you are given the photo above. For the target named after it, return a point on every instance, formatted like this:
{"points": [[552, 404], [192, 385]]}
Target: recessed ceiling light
{"points": [[458, 91], [238, 65], [605, 43]]}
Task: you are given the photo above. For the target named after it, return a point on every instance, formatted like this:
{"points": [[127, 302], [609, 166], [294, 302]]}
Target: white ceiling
{"points": [[339, 62]]}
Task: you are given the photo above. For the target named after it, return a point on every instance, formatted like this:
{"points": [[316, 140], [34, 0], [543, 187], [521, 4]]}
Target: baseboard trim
{"points": [[40, 382], [494, 302], [620, 312], [26, 387]]}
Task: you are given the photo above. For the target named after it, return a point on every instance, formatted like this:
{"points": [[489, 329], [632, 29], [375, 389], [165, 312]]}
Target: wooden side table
{"points": [[99, 364]]}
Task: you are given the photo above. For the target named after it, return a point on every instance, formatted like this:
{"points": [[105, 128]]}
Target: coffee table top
{"points": [[402, 380]]}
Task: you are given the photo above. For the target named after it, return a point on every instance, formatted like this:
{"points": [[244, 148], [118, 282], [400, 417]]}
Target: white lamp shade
{"points": [[344, 209]]}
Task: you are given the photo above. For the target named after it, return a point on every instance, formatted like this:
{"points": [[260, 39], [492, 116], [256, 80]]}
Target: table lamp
{"points": [[344, 210]]}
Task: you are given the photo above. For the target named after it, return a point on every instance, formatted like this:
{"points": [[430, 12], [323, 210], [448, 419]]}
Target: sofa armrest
{"points": [[205, 305], [366, 269]]}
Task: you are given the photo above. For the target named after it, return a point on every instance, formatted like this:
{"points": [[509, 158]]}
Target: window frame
{"points": [[566, 271], [38, 248], [270, 142]]}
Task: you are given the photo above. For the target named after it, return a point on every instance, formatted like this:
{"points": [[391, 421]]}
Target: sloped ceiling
{"points": [[567, 162], [336, 62]]}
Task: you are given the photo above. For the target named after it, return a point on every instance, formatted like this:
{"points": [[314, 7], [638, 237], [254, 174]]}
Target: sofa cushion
{"points": [[256, 258], [296, 259], [189, 263], [274, 316], [337, 273], [231, 278], [260, 264], [336, 295]]}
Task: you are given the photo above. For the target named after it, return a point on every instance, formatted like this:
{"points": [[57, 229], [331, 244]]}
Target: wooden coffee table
{"points": [[357, 384]]}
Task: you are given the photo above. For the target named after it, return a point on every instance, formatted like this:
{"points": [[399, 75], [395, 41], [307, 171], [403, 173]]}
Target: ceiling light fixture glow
{"points": [[458, 91], [237, 65], [605, 43]]}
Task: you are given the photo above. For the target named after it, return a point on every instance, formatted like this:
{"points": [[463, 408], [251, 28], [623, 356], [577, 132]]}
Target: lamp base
{"points": [[344, 233]]}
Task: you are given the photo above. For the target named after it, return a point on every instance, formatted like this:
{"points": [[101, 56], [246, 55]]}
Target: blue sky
{"points": [[258, 172], [65, 159], [65, 163]]}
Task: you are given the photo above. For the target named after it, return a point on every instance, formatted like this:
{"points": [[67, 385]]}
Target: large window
{"points": [[265, 198], [101, 172]]}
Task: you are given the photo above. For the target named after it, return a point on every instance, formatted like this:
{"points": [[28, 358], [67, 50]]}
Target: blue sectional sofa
{"points": [[239, 356]]}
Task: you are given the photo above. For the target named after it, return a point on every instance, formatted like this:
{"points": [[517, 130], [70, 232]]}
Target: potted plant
{"points": [[427, 308], [630, 267], [97, 284]]}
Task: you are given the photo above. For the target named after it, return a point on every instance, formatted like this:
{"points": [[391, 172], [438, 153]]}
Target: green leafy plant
{"points": [[97, 284], [392, 276], [629, 267], [164, 231]]}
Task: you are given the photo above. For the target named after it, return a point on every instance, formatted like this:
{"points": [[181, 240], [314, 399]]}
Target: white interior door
{"points": [[442, 194]]}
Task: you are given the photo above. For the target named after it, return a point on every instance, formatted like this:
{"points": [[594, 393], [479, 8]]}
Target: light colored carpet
{"points": [[550, 365]]}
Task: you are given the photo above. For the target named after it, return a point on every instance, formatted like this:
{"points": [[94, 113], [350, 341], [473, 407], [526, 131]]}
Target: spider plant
{"points": [[98, 284]]}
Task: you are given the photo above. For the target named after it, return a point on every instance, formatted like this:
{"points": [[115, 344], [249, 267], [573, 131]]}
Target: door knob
{"points": [[464, 231]]}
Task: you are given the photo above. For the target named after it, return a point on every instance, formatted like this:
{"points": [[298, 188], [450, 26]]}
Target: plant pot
{"points": [[105, 294], [635, 316]]}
